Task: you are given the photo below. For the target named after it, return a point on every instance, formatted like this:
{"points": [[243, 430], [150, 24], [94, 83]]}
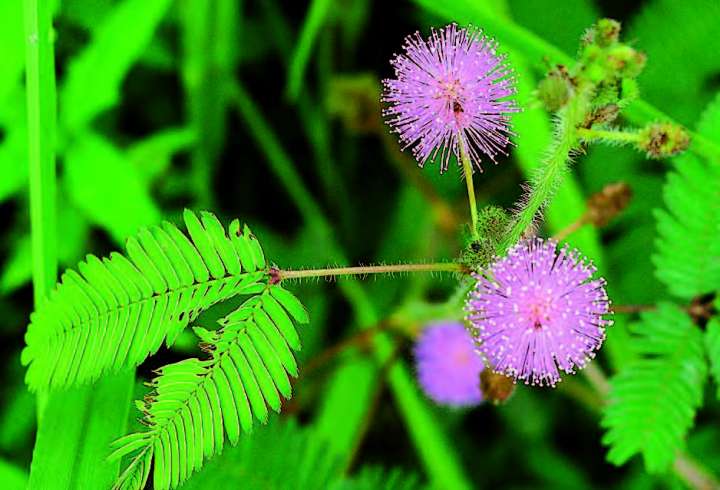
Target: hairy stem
{"points": [[554, 168], [468, 171], [362, 270], [605, 135]]}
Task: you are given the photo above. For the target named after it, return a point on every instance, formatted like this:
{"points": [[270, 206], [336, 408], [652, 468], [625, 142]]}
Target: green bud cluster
{"points": [[493, 223], [605, 63]]}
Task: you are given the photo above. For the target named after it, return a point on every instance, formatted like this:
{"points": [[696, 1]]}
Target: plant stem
{"points": [[614, 136], [694, 475], [40, 89], [554, 168], [570, 229], [468, 171], [363, 270], [629, 309]]}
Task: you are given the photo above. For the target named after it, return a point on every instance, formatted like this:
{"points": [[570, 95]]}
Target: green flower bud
{"points": [[554, 90], [663, 140]]}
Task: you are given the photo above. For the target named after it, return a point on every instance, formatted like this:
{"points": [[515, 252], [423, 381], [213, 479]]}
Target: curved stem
{"points": [[362, 270], [468, 171]]}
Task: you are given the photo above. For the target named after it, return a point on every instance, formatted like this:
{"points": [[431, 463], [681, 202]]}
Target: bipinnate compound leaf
{"points": [[113, 312], [687, 255], [196, 404], [653, 399]]}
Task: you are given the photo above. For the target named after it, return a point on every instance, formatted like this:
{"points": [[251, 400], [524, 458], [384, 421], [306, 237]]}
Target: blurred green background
{"points": [[268, 111]]}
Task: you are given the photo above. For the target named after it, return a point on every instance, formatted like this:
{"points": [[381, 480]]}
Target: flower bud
{"points": [[493, 222], [554, 90], [663, 140], [607, 32]]}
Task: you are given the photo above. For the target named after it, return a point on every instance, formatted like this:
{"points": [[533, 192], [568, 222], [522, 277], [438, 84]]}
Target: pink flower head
{"points": [[449, 93], [448, 368], [537, 310]]}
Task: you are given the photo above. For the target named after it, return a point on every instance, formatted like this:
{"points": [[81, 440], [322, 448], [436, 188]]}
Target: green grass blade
{"points": [[314, 20], [41, 150], [210, 42], [74, 438]]}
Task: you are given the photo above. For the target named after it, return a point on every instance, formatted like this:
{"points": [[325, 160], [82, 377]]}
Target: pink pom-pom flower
{"points": [[450, 91], [447, 366], [537, 312]]}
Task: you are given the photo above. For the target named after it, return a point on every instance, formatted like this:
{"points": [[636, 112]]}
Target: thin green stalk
{"points": [[209, 41], [75, 426], [554, 168], [468, 172], [610, 136], [442, 464], [368, 269], [41, 96], [314, 20]]}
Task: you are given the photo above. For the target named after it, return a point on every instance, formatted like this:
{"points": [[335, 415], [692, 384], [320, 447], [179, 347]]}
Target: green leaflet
{"points": [[688, 249], [286, 456], [314, 20], [653, 400], [117, 311], [113, 194], [194, 402], [210, 44], [279, 456], [95, 76]]}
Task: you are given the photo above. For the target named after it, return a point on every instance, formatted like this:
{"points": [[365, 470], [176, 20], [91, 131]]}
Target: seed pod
{"points": [[605, 205], [663, 140], [496, 388]]}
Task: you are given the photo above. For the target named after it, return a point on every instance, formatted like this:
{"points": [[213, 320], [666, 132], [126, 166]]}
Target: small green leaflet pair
{"points": [[117, 311]]}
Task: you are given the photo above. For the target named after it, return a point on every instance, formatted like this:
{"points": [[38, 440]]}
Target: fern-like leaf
{"points": [[688, 248], [195, 403], [115, 312], [653, 400]]}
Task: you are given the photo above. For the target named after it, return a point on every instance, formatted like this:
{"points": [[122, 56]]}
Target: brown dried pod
{"points": [[496, 388], [605, 205]]}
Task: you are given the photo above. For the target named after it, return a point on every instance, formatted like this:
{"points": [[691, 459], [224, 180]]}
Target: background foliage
{"points": [[267, 111]]}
